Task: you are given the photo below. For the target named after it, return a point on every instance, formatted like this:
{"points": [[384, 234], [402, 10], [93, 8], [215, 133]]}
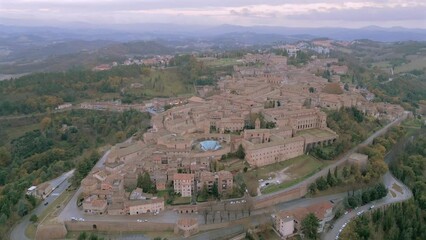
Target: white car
{"points": [[139, 220], [243, 201], [232, 202]]}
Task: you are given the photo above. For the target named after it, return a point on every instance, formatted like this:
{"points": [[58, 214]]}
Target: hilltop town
{"points": [[268, 111], [171, 120]]}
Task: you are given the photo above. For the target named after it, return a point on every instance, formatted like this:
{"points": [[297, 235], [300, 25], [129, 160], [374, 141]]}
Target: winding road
{"points": [[389, 181], [71, 209], [402, 194], [342, 159]]}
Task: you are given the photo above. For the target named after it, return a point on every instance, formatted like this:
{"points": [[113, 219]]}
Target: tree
{"points": [[321, 183], [345, 172], [240, 153], [22, 208], [5, 157], [330, 179], [312, 188], [120, 135], [310, 225], [93, 236], [3, 218], [144, 181], [381, 190], [34, 218], [82, 236], [346, 87], [45, 122], [215, 190], [204, 194]]}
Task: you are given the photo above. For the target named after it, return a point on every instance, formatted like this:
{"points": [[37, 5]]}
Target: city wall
{"points": [[103, 226], [285, 196]]}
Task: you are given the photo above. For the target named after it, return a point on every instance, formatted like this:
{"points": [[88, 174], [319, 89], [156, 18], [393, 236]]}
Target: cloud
{"points": [[241, 12]]}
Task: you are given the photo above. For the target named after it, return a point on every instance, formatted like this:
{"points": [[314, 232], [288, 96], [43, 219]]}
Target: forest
{"points": [[351, 126], [43, 92], [406, 220], [58, 143], [370, 65], [352, 177]]}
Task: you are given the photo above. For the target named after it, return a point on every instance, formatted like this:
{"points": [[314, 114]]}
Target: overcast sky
{"points": [[288, 13]]}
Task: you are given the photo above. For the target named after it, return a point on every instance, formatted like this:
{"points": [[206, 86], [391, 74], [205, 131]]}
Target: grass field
{"points": [[234, 165], [298, 168], [268, 234], [181, 200], [15, 132], [412, 125], [221, 62], [304, 167], [416, 62], [164, 82]]}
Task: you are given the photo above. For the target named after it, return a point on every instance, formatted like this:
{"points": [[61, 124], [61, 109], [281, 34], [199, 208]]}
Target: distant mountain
{"points": [[372, 32], [39, 48], [151, 31]]}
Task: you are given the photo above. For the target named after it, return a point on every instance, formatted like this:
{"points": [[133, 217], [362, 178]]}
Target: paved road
{"points": [[342, 159], [60, 184], [388, 180], [71, 209]]}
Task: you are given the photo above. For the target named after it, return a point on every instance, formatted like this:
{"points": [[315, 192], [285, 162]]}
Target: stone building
{"points": [[223, 179], [183, 183], [94, 205], [186, 226], [136, 207], [289, 221]]}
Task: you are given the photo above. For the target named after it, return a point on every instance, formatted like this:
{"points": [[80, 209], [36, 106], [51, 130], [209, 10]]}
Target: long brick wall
{"points": [[286, 196], [118, 226]]}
